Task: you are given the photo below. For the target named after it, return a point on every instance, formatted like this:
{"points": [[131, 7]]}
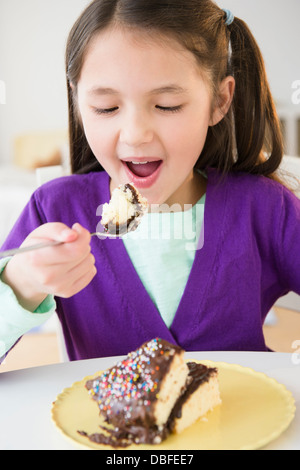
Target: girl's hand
{"points": [[62, 270]]}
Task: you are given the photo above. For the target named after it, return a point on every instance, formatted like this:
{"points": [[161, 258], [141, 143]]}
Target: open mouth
{"points": [[143, 173], [145, 169]]}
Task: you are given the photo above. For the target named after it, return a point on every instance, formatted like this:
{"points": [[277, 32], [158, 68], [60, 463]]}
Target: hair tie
{"points": [[229, 17]]}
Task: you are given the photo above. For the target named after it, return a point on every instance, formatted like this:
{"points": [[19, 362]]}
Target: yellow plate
{"points": [[255, 410]]}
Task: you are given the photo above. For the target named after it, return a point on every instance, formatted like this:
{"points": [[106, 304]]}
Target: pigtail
{"points": [[259, 142]]}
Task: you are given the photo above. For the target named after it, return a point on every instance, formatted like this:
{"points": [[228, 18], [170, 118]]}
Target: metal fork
{"points": [[16, 251]]}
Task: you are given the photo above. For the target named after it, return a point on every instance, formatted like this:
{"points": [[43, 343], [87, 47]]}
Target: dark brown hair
{"points": [[248, 138]]}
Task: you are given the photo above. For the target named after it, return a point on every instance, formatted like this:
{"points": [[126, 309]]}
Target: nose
{"points": [[136, 128]]}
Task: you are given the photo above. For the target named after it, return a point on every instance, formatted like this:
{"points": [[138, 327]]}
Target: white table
{"points": [[26, 397]]}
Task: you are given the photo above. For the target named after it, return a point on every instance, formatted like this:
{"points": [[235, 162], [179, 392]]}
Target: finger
{"points": [[53, 231], [74, 251], [82, 232], [58, 281], [80, 277], [84, 281], [70, 252]]}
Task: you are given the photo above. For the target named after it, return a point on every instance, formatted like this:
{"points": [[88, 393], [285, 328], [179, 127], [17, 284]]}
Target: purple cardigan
{"points": [[250, 258]]}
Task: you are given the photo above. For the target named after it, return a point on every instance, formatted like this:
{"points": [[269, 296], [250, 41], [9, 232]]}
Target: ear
{"points": [[223, 101]]}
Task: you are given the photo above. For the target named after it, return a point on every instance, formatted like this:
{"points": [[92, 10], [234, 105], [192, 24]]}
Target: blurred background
{"points": [[33, 100]]}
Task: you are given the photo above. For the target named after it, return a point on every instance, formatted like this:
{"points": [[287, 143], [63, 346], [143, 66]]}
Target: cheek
{"points": [[98, 134], [99, 138], [189, 140]]}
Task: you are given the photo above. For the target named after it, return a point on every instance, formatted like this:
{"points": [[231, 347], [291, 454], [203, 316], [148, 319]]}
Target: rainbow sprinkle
{"points": [[131, 379]]}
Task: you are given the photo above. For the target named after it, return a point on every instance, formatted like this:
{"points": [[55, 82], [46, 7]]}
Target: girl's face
{"points": [[145, 109]]}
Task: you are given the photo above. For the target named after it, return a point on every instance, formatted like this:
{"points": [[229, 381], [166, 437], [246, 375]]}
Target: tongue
{"points": [[145, 169]]}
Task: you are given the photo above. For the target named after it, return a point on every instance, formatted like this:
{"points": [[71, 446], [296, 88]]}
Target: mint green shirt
{"points": [[162, 251], [15, 321]]}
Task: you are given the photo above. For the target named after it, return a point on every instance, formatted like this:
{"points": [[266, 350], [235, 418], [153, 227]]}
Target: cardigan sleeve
{"points": [[288, 241], [15, 321], [30, 219]]}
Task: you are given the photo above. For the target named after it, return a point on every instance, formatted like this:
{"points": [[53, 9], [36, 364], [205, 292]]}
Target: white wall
{"points": [[32, 42], [276, 27], [33, 35]]}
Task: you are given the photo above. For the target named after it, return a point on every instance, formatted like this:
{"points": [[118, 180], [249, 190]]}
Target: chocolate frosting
{"points": [[127, 392]]}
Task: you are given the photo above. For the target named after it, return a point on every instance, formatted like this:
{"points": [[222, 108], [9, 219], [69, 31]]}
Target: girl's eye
{"points": [[169, 109], [106, 110], [166, 109]]}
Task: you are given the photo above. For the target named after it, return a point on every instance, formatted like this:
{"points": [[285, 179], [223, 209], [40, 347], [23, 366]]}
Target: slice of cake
{"points": [[151, 393], [137, 395], [124, 211]]}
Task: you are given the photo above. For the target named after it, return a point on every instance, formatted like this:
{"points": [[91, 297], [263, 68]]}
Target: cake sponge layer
{"points": [[124, 211], [171, 388], [201, 396]]}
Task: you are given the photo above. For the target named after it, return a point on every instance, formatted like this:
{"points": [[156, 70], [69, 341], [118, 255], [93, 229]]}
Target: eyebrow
{"points": [[171, 89], [102, 91]]}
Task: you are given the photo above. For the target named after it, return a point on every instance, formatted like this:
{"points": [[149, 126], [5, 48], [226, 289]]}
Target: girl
{"points": [[172, 96]]}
